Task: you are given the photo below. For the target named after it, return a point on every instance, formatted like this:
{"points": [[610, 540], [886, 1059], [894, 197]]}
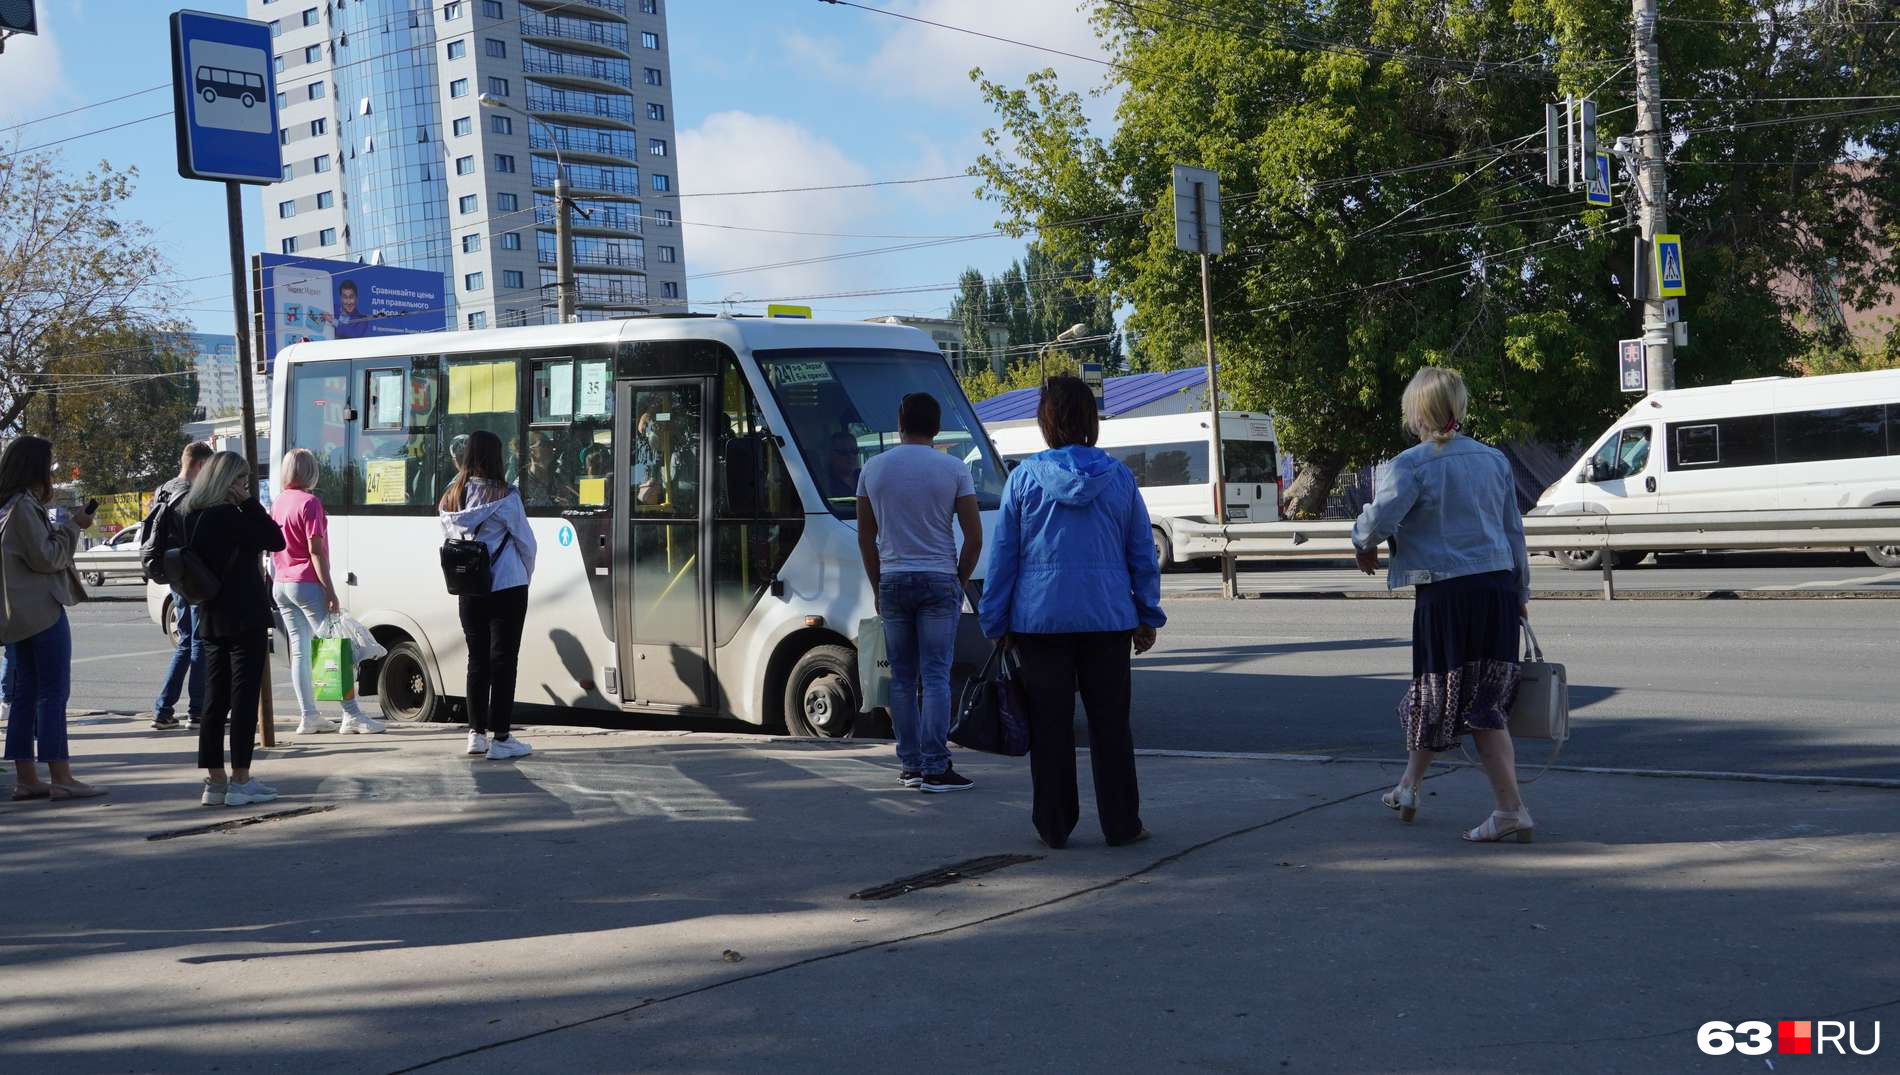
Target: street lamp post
{"points": [[564, 289]]}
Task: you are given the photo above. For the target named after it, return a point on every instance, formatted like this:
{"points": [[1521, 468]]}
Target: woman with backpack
{"points": [[306, 591], [36, 573], [480, 506], [228, 532]]}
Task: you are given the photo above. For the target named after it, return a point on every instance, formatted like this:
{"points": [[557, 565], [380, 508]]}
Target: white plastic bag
{"points": [[363, 645]]}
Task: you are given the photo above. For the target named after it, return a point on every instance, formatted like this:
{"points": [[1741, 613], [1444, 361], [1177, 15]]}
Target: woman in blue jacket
{"points": [[1073, 585]]}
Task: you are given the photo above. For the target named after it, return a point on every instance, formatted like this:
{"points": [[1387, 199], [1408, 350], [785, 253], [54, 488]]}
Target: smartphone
{"points": [[92, 507]]}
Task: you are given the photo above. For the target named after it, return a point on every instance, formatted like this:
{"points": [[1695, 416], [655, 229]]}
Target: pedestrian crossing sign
{"points": [[1670, 283], [1599, 184]]}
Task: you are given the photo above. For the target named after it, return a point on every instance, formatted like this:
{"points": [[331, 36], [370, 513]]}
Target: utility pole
{"points": [[566, 288], [1652, 190]]}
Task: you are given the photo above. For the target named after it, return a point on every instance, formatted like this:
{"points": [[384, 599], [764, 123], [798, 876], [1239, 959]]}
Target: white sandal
{"points": [[1404, 799], [1502, 826]]}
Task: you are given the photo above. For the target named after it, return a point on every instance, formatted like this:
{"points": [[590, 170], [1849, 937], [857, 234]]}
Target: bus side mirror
{"points": [[744, 496], [1591, 473]]}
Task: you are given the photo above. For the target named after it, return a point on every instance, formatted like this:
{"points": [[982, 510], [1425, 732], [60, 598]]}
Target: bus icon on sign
{"points": [[215, 82]]}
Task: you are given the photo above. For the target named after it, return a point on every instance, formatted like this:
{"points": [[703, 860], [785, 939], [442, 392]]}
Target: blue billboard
{"points": [[304, 299]]}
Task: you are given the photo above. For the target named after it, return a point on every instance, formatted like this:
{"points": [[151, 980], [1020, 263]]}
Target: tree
{"points": [[1037, 298], [72, 274], [114, 408], [1383, 208], [982, 383]]}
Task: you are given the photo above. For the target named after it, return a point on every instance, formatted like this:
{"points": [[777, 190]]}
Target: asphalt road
{"points": [[1791, 686], [1687, 571]]}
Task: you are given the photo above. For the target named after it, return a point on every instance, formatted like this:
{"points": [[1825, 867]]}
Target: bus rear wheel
{"points": [[821, 694], [1164, 550], [402, 686]]}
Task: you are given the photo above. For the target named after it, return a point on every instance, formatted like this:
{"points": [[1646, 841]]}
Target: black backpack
{"points": [[158, 533], [467, 568], [191, 576]]}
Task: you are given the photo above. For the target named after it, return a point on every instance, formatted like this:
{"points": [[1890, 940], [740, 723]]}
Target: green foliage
{"points": [[77, 301], [115, 409], [1038, 298], [982, 383], [1384, 205]]}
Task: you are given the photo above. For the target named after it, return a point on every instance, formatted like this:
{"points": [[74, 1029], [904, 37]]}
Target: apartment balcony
{"points": [[548, 100], [590, 252], [612, 7], [602, 35], [592, 141], [618, 217], [589, 178], [589, 69]]}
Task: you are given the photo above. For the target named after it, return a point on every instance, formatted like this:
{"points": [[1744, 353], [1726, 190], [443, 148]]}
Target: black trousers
{"points": [[1054, 668], [234, 680], [491, 625]]}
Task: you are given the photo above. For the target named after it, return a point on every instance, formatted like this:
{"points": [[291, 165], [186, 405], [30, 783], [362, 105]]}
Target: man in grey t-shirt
{"points": [[907, 499]]}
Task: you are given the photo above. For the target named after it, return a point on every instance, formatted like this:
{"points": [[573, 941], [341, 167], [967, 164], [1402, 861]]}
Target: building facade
{"points": [[214, 362], [392, 157]]}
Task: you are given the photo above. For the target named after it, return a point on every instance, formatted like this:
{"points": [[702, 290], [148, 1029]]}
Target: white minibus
{"points": [[1754, 445], [692, 486], [1169, 457]]}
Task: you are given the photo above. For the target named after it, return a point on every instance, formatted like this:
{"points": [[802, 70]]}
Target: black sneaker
{"points": [[910, 778], [164, 722], [948, 780]]}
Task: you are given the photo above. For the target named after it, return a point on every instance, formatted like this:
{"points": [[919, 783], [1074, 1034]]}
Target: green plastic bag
{"points": [[333, 669]]}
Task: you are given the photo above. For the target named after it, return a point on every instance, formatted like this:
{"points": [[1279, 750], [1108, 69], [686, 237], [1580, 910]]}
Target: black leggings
{"points": [[491, 625], [234, 681], [1055, 668]]}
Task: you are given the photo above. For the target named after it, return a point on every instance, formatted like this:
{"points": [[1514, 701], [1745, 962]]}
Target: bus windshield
{"points": [[842, 408]]}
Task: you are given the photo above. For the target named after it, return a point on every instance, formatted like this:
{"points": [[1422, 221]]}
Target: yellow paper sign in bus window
{"points": [[593, 491], [385, 481], [482, 388]]}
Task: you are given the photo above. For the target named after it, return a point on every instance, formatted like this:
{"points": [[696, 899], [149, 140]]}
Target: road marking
{"points": [[123, 656], [1828, 584]]}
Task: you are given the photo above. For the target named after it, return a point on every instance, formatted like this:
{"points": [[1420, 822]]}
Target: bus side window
{"points": [[570, 437], [394, 457], [319, 421], [482, 393]]}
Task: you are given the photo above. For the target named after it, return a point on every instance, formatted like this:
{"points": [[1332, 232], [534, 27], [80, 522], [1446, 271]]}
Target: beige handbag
{"points": [[1542, 708]]}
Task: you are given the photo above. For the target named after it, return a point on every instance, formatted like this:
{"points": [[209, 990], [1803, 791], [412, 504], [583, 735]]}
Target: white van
{"points": [[1756, 445], [1168, 455]]}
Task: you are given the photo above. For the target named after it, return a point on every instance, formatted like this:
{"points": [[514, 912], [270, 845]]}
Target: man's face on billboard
{"points": [[347, 296]]}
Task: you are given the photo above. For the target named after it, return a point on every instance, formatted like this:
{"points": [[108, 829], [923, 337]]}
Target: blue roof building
{"points": [[1137, 395]]}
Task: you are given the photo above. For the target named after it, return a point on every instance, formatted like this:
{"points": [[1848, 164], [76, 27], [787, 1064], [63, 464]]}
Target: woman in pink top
{"points": [[305, 592]]}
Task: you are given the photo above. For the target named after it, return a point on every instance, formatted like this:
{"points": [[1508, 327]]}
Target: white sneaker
{"points": [[511, 747], [477, 743], [315, 726], [214, 793], [361, 726], [247, 793]]}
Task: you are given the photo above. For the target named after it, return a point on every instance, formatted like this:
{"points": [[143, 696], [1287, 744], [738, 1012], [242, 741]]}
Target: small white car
{"points": [[117, 557]]}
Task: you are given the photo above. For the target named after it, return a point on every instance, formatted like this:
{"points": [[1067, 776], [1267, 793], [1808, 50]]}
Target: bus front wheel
{"points": [[402, 686], [210, 95], [821, 694], [1164, 550]]}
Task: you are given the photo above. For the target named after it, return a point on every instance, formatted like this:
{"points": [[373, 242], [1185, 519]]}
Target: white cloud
{"points": [[745, 151], [934, 62], [32, 75]]}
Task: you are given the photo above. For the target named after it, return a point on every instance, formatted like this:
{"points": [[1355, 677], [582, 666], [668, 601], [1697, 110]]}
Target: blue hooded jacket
{"points": [[1072, 550]]}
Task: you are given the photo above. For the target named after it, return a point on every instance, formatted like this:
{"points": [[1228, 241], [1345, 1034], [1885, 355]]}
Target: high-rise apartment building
{"points": [[392, 157]]}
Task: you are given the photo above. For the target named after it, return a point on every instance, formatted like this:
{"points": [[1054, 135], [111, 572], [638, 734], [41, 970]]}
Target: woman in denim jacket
{"points": [[1073, 584], [1449, 507]]}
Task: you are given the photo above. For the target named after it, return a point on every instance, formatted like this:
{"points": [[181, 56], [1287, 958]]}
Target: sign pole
{"points": [[234, 218], [1229, 585]]}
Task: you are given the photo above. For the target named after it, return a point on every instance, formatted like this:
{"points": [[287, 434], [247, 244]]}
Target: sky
{"points": [[767, 94]]}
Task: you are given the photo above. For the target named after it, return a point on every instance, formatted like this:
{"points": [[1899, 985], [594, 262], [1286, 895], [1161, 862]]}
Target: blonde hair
{"points": [[1435, 404], [300, 469], [213, 484]]}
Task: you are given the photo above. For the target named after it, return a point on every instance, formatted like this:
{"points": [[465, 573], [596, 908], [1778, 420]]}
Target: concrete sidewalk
{"points": [[641, 901]]}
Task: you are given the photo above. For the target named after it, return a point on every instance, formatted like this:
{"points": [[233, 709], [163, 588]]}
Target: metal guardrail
{"points": [[1649, 532]]}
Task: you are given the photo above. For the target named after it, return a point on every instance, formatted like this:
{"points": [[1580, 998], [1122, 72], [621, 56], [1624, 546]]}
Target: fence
{"points": [[1650, 532]]}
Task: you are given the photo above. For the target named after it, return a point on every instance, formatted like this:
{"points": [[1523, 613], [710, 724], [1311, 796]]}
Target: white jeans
{"points": [[305, 609]]}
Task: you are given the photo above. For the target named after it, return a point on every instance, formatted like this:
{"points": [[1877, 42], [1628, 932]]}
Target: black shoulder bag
{"points": [[188, 574]]}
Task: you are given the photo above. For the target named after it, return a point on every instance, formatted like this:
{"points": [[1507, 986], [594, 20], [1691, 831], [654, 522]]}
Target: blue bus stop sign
{"points": [[224, 98]]}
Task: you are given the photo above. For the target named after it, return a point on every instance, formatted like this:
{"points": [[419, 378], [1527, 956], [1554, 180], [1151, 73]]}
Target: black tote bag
{"points": [[993, 714]]}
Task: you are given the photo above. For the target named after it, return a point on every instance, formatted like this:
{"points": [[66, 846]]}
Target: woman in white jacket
{"points": [[480, 505]]}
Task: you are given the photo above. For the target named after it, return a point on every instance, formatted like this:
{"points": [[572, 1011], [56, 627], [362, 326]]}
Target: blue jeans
{"points": [[920, 610], [305, 609], [41, 670], [187, 671]]}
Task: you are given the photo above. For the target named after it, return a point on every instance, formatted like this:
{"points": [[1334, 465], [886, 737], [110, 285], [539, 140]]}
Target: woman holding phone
{"points": [[36, 568], [229, 531]]}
